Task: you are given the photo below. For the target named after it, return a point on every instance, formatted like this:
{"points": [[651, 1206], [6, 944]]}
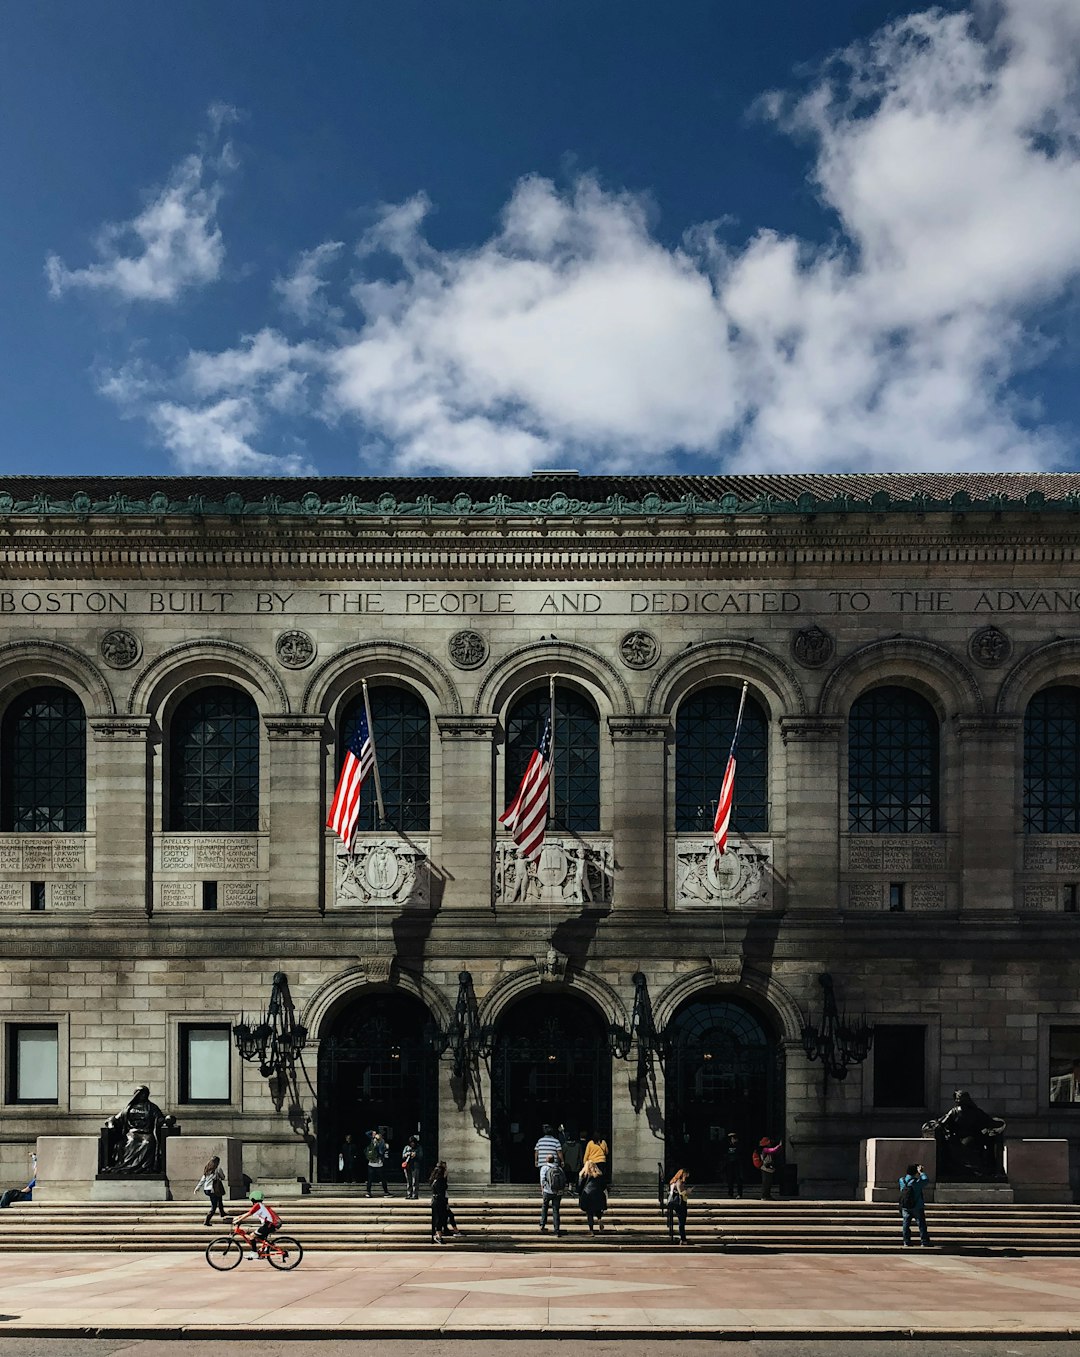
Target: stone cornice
{"points": [[467, 727], [295, 727], [639, 727], [120, 727], [970, 728], [811, 729]]}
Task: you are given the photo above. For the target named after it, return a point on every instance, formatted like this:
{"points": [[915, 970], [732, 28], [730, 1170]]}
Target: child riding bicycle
{"points": [[264, 1213]]}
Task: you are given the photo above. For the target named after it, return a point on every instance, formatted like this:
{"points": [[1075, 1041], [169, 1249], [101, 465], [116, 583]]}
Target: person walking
{"points": [[592, 1198], [377, 1153], [678, 1193], [733, 1165], [212, 1183], [442, 1218], [913, 1205], [410, 1166], [574, 1156], [764, 1159], [549, 1143], [347, 1157], [552, 1187], [596, 1152]]}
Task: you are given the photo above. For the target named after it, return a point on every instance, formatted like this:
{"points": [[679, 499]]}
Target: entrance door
{"points": [[377, 1069], [724, 1074], [550, 1064]]}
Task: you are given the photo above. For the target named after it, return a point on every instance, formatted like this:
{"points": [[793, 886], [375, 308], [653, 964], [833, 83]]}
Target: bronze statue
{"points": [[969, 1140], [134, 1139]]}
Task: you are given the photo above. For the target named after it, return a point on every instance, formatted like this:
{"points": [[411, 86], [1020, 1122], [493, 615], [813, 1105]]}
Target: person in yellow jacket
{"points": [[596, 1152]]}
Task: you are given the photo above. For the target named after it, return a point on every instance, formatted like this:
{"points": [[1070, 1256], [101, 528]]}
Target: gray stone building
{"points": [[181, 661]]}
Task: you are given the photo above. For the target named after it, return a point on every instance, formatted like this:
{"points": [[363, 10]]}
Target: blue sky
{"points": [[487, 235]]}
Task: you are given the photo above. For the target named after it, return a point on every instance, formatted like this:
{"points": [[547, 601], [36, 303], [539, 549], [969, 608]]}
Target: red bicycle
{"points": [[280, 1250]]}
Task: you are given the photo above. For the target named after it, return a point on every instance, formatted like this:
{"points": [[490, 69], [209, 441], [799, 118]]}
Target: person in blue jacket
{"points": [[913, 1205]]}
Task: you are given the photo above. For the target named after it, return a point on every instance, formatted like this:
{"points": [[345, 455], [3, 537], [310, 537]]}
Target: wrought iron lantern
{"points": [[277, 1039], [838, 1041], [466, 1037]]}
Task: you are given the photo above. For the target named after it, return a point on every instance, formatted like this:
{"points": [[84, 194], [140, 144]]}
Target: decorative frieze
{"points": [[383, 871], [739, 878], [569, 872]]}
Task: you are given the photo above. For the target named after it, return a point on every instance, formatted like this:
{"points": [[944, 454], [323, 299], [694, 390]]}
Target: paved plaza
{"points": [[363, 1295]]}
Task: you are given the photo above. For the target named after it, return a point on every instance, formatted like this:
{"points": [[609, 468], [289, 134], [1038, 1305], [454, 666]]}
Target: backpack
{"points": [[756, 1159], [907, 1197], [556, 1180]]}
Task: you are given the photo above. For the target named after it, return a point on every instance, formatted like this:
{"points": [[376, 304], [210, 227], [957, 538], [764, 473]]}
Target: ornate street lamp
{"points": [[277, 1039], [838, 1041], [466, 1037]]}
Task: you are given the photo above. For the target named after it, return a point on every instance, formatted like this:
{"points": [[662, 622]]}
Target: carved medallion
{"points": [[294, 649], [989, 647], [468, 649], [639, 649], [120, 649], [812, 646]]}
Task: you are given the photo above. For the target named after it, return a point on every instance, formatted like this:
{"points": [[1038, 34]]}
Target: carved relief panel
{"points": [[739, 878], [569, 872], [383, 871]]}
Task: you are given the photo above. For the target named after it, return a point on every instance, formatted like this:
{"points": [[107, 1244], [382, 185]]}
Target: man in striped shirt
{"points": [[548, 1143]]}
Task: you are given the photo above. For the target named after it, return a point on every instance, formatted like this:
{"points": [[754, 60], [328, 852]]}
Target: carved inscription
{"points": [[928, 895], [10, 856], [1040, 897], [69, 855], [11, 895], [864, 855], [177, 855], [209, 855], [241, 855], [241, 895], [67, 895], [37, 855], [177, 895], [865, 895]]}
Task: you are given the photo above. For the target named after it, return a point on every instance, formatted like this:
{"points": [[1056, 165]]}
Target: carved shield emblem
{"points": [[381, 870], [553, 865]]}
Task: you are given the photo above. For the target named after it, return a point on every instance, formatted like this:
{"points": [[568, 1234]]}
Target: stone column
{"points": [[463, 869], [639, 810], [464, 1126], [812, 866], [297, 812], [120, 791], [988, 826]]}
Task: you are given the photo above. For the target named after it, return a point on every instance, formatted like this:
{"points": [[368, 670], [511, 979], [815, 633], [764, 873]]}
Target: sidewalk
{"points": [[500, 1295]]}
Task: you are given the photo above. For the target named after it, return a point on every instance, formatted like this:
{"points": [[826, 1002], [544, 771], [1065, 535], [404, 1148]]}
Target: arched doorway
{"points": [[551, 1063], [724, 1072], [377, 1068]]}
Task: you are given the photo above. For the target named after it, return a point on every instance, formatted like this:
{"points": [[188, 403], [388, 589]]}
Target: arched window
{"points": [[43, 763], [214, 762], [576, 771], [402, 731], [892, 763], [704, 727], [1052, 762]]}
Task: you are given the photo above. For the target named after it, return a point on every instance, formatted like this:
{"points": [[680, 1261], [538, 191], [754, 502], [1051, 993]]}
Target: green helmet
{"points": [[256, 1195]]}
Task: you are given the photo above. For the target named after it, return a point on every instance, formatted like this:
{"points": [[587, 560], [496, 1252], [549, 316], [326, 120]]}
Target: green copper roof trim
{"points": [[559, 505]]}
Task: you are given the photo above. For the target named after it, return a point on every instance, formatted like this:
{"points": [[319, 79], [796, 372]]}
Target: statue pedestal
{"points": [[140, 1187], [187, 1156], [67, 1168], [1038, 1170], [884, 1160], [968, 1194]]}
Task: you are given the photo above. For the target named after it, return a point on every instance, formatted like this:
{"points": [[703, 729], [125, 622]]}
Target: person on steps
{"points": [[212, 1183], [678, 1193]]}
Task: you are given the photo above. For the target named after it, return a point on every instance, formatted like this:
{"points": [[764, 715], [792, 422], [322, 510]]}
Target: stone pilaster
{"points": [[813, 811], [121, 772], [297, 812], [987, 813], [465, 854], [638, 801]]}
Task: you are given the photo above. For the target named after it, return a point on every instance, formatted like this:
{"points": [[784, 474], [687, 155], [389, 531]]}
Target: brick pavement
{"points": [[497, 1293]]}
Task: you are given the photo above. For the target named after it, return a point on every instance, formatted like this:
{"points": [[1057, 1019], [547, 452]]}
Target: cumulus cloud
{"points": [[945, 152], [172, 245]]}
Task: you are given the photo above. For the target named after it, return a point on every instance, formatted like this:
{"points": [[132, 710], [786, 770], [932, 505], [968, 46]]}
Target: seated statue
{"points": [[969, 1140], [134, 1140]]}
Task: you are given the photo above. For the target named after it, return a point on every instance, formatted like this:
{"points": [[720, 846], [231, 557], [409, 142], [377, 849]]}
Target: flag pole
{"points": [[375, 756], [738, 718], [551, 745]]}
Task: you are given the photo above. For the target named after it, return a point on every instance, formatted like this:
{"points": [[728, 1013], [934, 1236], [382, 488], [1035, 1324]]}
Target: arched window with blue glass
{"points": [[893, 763], [704, 727], [43, 763], [401, 727], [1052, 762], [576, 763], [214, 763]]}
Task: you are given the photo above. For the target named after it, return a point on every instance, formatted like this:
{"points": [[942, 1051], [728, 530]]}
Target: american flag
{"points": [[359, 761], [727, 790], [526, 816]]}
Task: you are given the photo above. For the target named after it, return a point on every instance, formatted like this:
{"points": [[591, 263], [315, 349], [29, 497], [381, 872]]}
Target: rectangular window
{"points": [[37, 895], [896, 896], [32, 1063], [205, 1055], [209, 895], [1068, 897], [899, 1066], [1065, 1065]]}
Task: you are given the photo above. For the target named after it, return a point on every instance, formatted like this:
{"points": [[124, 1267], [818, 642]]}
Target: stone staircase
{"points": [[509, 1223]]}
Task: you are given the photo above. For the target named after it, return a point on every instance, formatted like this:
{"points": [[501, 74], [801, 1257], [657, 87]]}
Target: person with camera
{"points": [[913, 1205]]}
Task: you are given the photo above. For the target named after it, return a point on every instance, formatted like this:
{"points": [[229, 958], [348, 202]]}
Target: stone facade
{"points": [[813, 590]]}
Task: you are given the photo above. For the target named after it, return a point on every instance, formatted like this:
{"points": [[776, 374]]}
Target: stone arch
{"points": [[342, 670], [194, 662], [31, 664], [582, 984], [540, 659], [771, 677], [759, 988], [341, 989], [905, 661], [1056, 662]]}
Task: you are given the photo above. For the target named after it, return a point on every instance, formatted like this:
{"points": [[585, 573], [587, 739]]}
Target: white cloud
{"points": [[946, 151], [172, 245]]}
